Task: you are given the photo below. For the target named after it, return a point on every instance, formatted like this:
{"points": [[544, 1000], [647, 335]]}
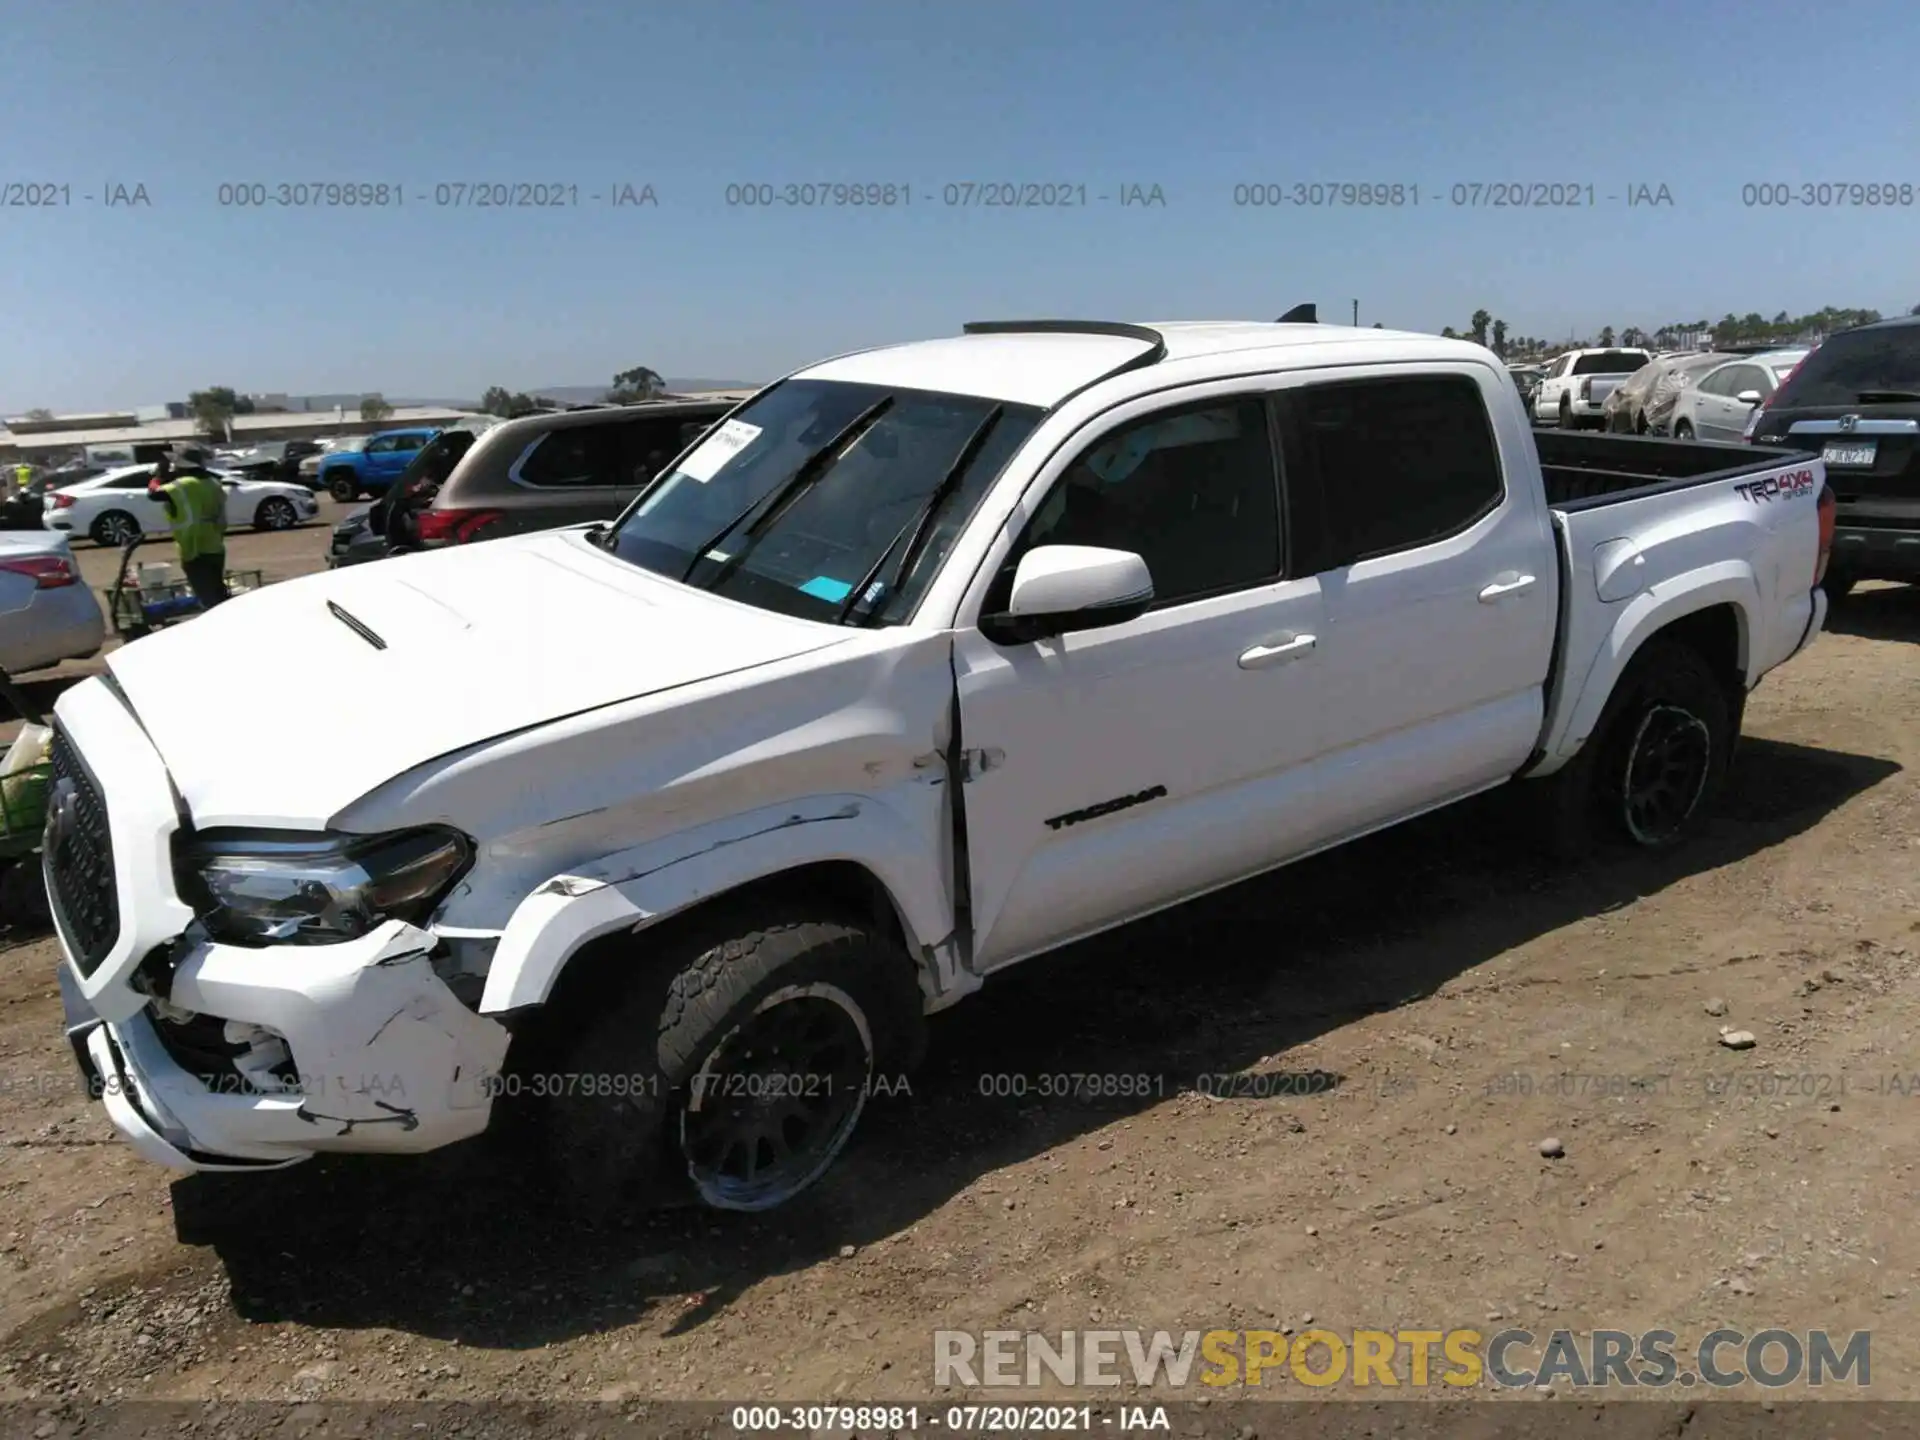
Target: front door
{"points": [[1123, 768]]}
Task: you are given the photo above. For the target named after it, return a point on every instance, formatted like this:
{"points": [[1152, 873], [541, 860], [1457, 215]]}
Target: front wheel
{"points": [[344, 488], [1656, 759], [276, 512], [747, 1077], [115, 529]]}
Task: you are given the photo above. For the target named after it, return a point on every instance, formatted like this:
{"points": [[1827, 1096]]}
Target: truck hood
{"points": [[286, 704]]}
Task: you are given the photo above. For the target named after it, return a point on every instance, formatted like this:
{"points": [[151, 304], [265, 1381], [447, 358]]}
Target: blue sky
{"points": [[115, 306]]}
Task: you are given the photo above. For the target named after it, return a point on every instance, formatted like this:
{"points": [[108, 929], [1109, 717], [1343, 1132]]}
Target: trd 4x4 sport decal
{"points": [[1784, 487]]}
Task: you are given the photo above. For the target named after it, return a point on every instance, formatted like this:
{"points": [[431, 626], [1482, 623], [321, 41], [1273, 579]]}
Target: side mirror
{"points": [[1063, 588], [1748, 397]]}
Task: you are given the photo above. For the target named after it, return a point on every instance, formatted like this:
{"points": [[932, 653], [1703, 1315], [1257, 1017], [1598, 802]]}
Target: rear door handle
{"points": [[1261, 656], [1500, 589]]}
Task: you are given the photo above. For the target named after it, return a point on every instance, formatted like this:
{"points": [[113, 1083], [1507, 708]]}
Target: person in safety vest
{"points": [[196, 508], [22, 477]]}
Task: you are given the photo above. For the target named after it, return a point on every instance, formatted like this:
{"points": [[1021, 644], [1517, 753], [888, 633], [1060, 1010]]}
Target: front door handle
{"points": [[1500, 589], [1260, 656]]}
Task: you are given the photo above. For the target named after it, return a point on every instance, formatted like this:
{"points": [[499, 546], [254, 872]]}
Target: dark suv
{"points": [[544, 471], [1855, 402]]}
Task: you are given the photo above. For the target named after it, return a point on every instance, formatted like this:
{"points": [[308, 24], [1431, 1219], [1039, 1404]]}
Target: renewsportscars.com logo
{"points": [[1457, 1358]]}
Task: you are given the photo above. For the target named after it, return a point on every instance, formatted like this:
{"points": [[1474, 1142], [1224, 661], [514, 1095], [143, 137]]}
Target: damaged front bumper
{"points": [[387, 1059]]}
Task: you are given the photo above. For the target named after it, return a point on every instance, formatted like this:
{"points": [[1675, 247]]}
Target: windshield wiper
{"points": [[918, 526], [1885, 397], [769, 506]]}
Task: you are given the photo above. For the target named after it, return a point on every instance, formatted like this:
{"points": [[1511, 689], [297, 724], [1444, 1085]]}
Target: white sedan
{"points": [[111, 509], [1716, 406]]}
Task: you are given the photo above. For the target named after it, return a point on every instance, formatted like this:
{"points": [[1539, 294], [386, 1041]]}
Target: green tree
{"points": [[639, 383], [374, 409], [1606, 335], [216, 405], [40, 412], [1378, 326], [1478, 328], [497, 401], [1500, 338], [1447, 333]]}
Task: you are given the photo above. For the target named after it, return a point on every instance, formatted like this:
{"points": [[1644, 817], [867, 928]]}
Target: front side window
{"points": [[386, 444], [1195, 493], [824, 499], [1401, 463]]}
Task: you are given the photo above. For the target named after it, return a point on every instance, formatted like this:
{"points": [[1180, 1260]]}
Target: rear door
{"points": [[1440, 584]]}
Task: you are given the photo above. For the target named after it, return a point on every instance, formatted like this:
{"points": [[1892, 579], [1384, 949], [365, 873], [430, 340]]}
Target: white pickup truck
{"points": [[1574, 393], [927, 660]]}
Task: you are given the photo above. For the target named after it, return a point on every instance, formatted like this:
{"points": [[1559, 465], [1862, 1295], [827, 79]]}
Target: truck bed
{"points": [[1585, 471]]}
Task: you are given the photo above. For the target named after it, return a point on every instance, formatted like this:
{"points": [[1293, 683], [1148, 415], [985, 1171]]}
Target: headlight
{"points": [[286, 888]]}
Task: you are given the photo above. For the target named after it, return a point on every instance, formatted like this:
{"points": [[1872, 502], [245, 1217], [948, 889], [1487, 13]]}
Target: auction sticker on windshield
{"points": [[719, 447]]}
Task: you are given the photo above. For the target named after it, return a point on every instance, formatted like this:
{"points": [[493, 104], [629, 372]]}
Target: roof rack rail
{"points": [[1155, 342], [1308, 314]]}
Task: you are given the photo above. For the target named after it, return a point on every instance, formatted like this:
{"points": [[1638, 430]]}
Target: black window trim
{"points": [[1314, 483], [1000, 587]]}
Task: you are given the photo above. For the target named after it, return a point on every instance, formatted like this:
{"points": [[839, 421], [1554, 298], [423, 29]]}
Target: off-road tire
{"points": [[611, 1154], [1587, 801]]}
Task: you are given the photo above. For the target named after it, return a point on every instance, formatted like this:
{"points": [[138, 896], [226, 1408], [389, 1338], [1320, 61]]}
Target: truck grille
{"points": [[79, 858]]}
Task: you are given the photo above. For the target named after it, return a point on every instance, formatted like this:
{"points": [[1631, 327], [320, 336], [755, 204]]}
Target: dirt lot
{"points": [[1425, 1008]]}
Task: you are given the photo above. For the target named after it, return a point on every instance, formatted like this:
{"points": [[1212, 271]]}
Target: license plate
{"points": [[1855, 456]]}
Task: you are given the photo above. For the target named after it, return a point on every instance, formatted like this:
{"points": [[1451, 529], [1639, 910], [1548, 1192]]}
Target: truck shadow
{"points": [[450, 1247], [1885, 612]]}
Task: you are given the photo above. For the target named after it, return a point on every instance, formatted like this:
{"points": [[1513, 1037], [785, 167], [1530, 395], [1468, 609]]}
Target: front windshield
{"points": [[827, 538]]}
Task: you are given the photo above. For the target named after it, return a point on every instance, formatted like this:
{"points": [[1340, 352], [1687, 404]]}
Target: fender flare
{"points": [[1645, 615], [635, 888]]}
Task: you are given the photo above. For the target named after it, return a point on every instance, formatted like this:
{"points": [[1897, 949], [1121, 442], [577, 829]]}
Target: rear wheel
{"points": [[1567, 422], [276, 512], [114, 529], [1656, 759], [1683, 429], [748, 1057]]}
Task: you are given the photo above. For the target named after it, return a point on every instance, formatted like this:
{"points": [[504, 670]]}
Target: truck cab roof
{"points": [[1052, 360]]}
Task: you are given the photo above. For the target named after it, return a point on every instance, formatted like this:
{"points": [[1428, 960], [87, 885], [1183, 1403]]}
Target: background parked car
{"points": [[1855, 402], [1576, 387], [370, 468], [47, 613], [1643, 405], [1717, 405], [273, 460], [112, 508], [1526, 379], [544, 471], [387, 525]]}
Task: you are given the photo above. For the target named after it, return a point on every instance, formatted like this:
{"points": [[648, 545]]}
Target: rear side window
{"points": [[1401, 463], [1854, 364], [579, 455], [1610, 362]]}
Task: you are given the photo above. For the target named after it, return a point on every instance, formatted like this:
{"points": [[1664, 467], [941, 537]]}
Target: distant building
{"points": [[32, 439]]}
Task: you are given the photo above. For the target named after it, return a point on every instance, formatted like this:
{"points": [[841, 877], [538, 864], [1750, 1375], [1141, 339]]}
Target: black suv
{"points": [[1855, 402]]}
